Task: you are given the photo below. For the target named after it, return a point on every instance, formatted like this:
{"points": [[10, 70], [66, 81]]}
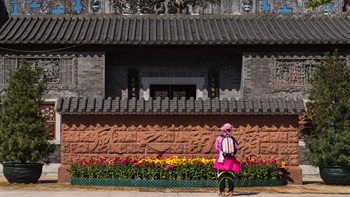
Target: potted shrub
{"points": [[23, 140], [329, 108]]}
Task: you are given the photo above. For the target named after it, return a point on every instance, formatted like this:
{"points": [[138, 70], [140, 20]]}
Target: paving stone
{"points": [[50, 184]]}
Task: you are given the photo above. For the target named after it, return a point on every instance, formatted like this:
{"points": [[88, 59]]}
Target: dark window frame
{"points": [[190, 89]]}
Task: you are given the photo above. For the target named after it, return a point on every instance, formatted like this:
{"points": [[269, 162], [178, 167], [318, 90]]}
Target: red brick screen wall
{"points": [[90, 136]]}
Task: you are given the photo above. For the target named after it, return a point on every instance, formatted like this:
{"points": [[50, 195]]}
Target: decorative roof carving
{"points": [[162, 6], [76, 7]]}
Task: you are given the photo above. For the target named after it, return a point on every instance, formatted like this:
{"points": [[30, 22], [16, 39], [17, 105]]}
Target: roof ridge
{"points": [[173, 29], [181, 16], [175, 106]]}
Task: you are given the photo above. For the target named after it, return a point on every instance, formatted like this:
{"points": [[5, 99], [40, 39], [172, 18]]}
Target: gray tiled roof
{"points": [[176, 29], [278, 106]]}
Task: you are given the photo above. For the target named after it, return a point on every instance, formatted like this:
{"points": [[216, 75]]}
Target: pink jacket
{"points": [[230, 163]]}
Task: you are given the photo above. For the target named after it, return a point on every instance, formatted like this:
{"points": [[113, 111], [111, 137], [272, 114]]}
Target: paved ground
{"points": [[33, 193], [48, 186]]}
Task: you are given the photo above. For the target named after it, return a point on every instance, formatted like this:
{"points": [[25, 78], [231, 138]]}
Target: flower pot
{"points": [[335, 175], [22, 172]]}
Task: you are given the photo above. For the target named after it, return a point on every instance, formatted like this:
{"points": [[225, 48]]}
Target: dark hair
{"points": [[346, 2]]}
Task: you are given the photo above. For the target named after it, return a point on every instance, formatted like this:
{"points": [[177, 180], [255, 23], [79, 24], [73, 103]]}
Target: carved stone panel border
{"points": [[292, 74], [62, 72]]}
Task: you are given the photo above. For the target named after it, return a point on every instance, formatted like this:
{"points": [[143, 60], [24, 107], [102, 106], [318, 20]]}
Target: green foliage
{"points": [[260, 171], [313, 4], [329, 141], [22, 135]]}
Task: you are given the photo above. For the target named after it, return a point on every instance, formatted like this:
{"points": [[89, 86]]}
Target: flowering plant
{"points": [[261, 169], [171, 167]]}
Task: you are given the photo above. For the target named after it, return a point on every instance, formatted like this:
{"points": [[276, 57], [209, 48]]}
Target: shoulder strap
{"points": [[234, 140]]}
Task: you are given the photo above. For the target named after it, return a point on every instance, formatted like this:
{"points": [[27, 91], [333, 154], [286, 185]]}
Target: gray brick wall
{"points": [[91, 74], [75, 73], [56, 156], [260, 71], [247, 75], [173, 62], [256, 75], [99, 74]]}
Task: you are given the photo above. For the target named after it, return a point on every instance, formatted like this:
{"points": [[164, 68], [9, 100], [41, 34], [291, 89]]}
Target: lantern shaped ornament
{"points": [[95, 5], [247, 5]]}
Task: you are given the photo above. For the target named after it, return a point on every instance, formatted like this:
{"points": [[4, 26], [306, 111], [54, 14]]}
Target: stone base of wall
{"points": [[295, 175], [63, 174]]}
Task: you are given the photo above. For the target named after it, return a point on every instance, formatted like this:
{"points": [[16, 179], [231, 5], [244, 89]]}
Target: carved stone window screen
{"points": [[294, 74], [61, 72], [47, 110]]}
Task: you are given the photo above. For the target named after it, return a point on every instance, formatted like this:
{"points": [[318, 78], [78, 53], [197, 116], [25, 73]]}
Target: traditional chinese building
{"points": [[142, 77]]}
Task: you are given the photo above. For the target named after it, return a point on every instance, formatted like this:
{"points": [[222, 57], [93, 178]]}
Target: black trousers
{"points": [[222, 176]]}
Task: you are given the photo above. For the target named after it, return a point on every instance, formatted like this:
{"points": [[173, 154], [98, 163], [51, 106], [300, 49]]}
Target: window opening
{"points": [[47, 110], [172, 91]]}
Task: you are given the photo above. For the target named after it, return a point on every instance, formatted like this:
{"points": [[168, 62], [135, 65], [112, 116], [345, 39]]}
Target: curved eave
{"points": [[176, 30]]}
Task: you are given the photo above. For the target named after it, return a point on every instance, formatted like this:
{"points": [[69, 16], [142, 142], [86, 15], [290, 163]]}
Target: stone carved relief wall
{"points": [[83, 137], [291, 75], [60, 71], [84, 141]]}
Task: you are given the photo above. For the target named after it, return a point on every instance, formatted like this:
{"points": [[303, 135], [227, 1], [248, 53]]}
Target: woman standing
{"points": [[225, 166]]}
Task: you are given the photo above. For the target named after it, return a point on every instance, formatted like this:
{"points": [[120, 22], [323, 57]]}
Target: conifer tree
{"points": [[22, 135], [329, 107]]}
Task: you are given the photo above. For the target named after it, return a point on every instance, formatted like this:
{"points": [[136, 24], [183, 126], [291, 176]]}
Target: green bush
{"points": [[171, 168], [329, 109], [22, 135]]}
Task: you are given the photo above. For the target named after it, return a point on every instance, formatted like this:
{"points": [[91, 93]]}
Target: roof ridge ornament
{"points": [[247, 5], [95, 5]]}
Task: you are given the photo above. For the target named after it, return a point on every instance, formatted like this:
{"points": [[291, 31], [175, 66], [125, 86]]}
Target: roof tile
{"points": [[175, 30], [278, 106]]}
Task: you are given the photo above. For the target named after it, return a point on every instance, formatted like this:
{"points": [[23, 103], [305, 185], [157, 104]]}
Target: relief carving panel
{"points": [[181, 139], [248, 140], [292, 75], [254, 141], [60, 72]]}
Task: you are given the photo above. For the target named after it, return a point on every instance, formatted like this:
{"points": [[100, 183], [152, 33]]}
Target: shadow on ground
{"points": [[246, 194], [313, 183], [48, 181]]}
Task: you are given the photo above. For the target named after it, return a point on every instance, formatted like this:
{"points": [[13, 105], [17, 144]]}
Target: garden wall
{"points": [[259, 136]]}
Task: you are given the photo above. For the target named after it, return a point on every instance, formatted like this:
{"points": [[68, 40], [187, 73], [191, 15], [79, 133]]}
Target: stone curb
{"points": [[50, 183]]}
